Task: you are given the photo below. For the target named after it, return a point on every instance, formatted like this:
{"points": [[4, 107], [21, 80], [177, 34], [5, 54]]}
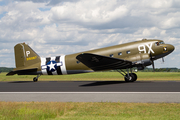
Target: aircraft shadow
{"points": [[99, 83], [21, 82]]}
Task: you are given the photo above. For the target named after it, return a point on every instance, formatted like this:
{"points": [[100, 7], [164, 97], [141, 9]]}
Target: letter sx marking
{"points": [[142, 48]]}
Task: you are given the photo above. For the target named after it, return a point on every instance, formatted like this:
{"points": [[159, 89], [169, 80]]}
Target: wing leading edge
{"points": [[98, 62]]}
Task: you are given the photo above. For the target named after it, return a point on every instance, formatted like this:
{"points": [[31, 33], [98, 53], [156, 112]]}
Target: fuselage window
{"points": [[120, 53], [128, 52], [77, 62], [111, 55]]}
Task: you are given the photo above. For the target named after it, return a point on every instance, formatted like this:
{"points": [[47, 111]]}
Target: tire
{"points": [[131, 77], [135, 76], [35, 79]]}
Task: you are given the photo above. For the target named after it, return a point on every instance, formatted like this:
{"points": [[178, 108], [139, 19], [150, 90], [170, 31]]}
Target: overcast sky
{"points": [[56, 27]]}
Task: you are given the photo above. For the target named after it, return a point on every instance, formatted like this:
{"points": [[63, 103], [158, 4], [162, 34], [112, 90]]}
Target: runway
{"points": [[91, 91]]}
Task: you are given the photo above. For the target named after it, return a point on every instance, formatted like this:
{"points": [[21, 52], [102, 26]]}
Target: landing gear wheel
{"points": [[135, 76], [35, 79], [131, 77]]}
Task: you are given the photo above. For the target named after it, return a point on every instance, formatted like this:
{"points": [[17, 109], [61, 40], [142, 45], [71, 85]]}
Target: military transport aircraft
{"points": [[122, 57]]}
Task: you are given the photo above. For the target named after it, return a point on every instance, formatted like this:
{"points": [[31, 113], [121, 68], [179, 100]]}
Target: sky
{"points": [[57, 27]]}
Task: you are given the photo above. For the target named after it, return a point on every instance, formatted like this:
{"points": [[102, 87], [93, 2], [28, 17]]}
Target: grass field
{"points": [[88, 111], [96, 76]]}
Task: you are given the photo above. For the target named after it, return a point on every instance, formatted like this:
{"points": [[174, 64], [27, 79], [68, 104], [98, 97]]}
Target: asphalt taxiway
{"points": [[91, 91]]}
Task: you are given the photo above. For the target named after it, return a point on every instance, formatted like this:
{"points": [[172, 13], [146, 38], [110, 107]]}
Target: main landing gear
{"points": [[35, 79], [128, 77]]}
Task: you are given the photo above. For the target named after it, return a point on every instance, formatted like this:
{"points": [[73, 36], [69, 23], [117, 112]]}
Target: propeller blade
{"points": [[152, 62], [153, 66], [162, 59]]}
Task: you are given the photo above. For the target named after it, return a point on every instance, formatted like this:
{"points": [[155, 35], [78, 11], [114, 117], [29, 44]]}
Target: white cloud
{"points": [[89, 12], [171, 21], [161, 3], [62, 27]]}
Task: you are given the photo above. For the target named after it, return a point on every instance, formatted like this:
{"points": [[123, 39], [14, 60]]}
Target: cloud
{"points": [[171, 21], [53, 27], [56, 2], [49, 2], [35, 1], [88, 13]]}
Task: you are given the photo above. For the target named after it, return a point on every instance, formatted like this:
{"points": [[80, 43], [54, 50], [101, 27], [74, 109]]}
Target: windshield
{"points": [[159, 43]]}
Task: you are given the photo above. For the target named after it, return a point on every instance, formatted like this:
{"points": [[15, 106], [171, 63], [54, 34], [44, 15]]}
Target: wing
{"points": [[98, 62]]}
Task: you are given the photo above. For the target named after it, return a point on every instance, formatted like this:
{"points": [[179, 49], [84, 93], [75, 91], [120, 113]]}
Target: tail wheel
{"points": [[131, 77], [35, 79]]}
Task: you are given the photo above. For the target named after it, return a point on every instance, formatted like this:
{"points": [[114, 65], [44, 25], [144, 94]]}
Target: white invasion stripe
{"points": [[44, 67], [63, 67], [59, 64], [43, 64], [53, 58], [92, 92]]}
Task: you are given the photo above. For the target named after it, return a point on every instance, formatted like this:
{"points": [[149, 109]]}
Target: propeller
{"points": [[162, 59], [152, 62]]}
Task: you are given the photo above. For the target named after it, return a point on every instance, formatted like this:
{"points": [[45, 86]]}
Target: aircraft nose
{"points": [[170, 48]]}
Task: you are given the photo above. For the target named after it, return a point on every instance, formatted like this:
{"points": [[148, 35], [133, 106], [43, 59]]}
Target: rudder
{"points": [[25, 57]]}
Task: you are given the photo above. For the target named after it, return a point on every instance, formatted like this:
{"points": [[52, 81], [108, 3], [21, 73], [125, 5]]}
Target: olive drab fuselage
{"points": [[136, 52], [139, 54]]}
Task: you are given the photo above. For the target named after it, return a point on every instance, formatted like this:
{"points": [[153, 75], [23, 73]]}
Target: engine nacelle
{"points": [[145, 62], [140, 60]]}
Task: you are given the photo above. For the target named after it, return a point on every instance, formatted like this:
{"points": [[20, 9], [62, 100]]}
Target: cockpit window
{"points": [[159, 43]]}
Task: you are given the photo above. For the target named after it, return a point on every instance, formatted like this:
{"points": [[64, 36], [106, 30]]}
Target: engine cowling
{"points": [[140, 60]]}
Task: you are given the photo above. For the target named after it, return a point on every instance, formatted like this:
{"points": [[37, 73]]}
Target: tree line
{"points": [[5, 69], [161, 70], [151, 70]]}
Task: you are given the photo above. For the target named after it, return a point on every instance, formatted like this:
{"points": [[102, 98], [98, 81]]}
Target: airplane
{"points": [[121, 57]]}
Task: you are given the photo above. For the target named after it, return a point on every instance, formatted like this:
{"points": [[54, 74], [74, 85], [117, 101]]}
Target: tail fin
{"points": [[27, 60], [25, 57]]}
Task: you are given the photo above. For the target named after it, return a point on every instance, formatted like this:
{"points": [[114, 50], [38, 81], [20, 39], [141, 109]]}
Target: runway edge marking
{"points": [[89, 92]]}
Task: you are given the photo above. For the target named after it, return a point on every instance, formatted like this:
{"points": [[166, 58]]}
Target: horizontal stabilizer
{"points": [[22, 72], [98, 62], [11, 73]]}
